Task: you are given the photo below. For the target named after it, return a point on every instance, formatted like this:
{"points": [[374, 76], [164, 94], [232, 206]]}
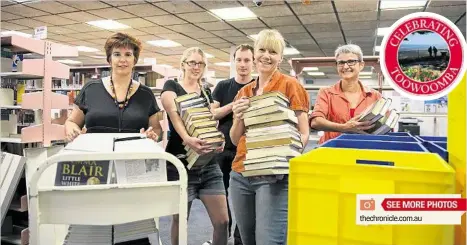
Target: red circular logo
{"points": [[423, 56]]}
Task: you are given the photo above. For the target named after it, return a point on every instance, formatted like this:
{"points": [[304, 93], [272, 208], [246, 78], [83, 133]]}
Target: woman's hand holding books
{"points": [[199, 146], [355, 126], [240, 106]]}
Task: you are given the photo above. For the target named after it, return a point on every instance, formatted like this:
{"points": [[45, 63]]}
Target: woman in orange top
{"points": [[338, 107], [260, 203]]}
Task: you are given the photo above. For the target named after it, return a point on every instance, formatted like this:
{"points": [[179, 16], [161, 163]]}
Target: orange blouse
{"points": [[290, 87], [332, 104]]}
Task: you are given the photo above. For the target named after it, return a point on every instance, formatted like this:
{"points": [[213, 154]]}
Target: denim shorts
{"points": [[204, 181]]}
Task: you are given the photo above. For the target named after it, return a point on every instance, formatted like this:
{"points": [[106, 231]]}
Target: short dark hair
{"points": [[244, 47], [119, 40]]}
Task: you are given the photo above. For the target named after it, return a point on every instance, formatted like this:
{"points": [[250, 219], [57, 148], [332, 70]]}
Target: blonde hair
{"points": [[186, 54], [270, 39]]}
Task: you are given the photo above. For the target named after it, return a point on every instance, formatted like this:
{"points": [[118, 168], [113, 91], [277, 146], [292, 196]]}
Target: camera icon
{"points": [[367, 205]]}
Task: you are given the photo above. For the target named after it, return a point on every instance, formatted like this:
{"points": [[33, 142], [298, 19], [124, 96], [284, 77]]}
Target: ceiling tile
{"points": [[356, 5], [282, 21], [51, 7], [322, 27], [221, 45], [187, 42], [136, 22], [218, 4], [98, 34], [172, 36], [29, 22], [327, 34], [86, 5], [8, 16], [82, 27], [248, 24], [250, 4], [186, 28], [143, 10], [318, 18], [149, 38], [239, 40], [386, 23], [252, 31], [212, 40], [111, 13], [62, 38], [360, 33], [357, 16], [228, 33], [314, 8], [298, 42], [291, 36], [198, 17], [123, 3], [100, 41], [178, 7], [166, 20], [170, 52], [201, 34], [395, 14], [214, 26], [6, 3], [448, 11], [55, 19], [80, 16], [23, 10], [59, 30], [13, 26], [272, 11], [290, 29], [437, 3], [359, 25], [155, 30], [135, 32]]}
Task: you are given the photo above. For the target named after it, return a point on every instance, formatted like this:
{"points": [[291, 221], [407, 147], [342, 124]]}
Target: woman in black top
{"points": [[116, 104], [205, 183]]}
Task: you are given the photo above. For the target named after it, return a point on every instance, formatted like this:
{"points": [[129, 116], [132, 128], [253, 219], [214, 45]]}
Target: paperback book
{"points": [[198, 121], [272, 137], [383, 119]]}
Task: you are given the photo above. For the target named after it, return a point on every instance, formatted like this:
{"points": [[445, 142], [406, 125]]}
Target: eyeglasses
{"points": [[126, 56], [193, 63], [348, 62]]}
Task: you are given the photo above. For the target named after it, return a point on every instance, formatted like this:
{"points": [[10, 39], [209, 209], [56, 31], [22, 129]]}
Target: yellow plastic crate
{"points": [[324, 182], [456, 146]]}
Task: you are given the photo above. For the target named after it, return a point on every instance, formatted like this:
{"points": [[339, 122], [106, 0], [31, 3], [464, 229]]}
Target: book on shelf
{"points": [[88, 234], [376, 111], [199, 123], [141, 232], [272, 137]]}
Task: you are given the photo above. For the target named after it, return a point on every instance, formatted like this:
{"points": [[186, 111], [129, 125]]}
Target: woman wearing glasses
{"points": [[116, 104], [206, 183], [337, 107]]}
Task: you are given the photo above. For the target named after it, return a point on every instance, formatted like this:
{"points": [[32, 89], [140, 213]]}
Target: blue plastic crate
{"points": [[399, 134], [441, 144], [436, 147], [387, 138], [372, 145], [432, 138]]}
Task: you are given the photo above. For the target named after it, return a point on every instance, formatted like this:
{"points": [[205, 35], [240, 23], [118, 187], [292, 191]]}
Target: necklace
{"points": [[127, 97]]}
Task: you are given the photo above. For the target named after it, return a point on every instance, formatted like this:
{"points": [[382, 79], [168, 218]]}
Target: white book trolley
{"points": [[106, 204]]}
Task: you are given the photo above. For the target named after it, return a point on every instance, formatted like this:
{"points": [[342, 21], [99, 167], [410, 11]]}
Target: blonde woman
{"points": [[260, 203], [206, 183]]}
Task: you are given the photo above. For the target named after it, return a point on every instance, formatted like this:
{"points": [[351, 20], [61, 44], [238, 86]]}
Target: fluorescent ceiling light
{"points": [[165, 65], [108, 24], [18, 33], [87, 49], [99, 57], [291, 51], [377, 48], [69, 61], [382, 31], [222, 64], [209, 55], [316, 73], [392, 4], [164, 43], [254, 36], [231, 14], [310, 69], [366, 73]]}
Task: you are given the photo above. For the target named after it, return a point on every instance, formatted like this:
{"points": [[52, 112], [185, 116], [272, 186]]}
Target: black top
{"points": [[103, 116], [175, 142], [225, 93]]}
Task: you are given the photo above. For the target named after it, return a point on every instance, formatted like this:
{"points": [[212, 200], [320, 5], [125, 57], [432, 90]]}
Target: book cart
{"points": [[109, 203]]}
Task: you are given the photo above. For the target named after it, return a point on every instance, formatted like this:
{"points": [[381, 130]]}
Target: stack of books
{"points": [[379, 114], [199, 123], [135, 233], [89, 234], [272, 137]]}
